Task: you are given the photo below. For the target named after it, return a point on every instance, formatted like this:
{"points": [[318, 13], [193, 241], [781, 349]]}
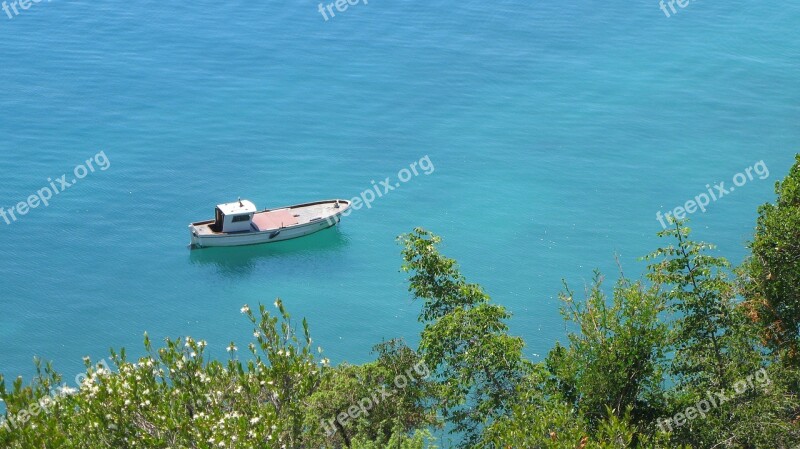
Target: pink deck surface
{"points": [[274, 219]]}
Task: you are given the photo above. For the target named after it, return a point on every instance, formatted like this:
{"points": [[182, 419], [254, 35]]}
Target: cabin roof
{"points": [[237, 207]]}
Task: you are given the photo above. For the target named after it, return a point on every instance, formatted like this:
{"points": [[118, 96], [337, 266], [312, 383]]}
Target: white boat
{"points": [[240, 223]]}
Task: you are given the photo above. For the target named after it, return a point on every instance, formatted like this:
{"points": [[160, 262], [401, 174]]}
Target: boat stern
{"points": [[194, 237]]}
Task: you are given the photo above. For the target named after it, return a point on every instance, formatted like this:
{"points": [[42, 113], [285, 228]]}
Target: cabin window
{"points": [[238, 218]]}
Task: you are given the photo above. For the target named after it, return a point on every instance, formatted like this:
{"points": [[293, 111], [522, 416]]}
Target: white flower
{"points": [[245, 309], [232, 348], [255, 420]]}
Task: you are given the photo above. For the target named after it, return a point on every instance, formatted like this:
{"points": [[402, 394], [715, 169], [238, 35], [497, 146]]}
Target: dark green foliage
{"points": [[477, 366], [714, 348], [772, 271], [348, 385], [705, 325], [614, 359], [593, 392]]}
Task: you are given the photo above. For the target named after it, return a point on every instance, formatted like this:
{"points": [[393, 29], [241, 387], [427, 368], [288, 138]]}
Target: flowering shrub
{"points": [[175, 397]]}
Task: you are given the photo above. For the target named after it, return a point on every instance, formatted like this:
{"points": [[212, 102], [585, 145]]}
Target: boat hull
{"points": [[201, 240]]}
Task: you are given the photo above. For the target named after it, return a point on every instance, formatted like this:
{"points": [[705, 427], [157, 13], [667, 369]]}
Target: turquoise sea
{"points": [[555, 130]]}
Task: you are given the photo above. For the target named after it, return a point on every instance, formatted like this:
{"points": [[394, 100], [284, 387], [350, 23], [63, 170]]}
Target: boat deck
{"points": [[272, 219]]}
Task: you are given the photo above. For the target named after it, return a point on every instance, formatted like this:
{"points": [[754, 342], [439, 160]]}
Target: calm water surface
{"points": [[557, 131]]}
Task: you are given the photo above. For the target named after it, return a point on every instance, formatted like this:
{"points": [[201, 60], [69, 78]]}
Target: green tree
{"points": [[772, 271], [707, 330], [613, 364], [715, 352], [476, 365], [379, 400], [539, 417], [603, 389]]}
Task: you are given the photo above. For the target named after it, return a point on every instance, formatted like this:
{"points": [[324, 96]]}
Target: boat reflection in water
{"points": [[279, 256]]}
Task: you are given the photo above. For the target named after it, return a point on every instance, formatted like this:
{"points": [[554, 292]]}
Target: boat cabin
{"points": [[233, 217]]}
